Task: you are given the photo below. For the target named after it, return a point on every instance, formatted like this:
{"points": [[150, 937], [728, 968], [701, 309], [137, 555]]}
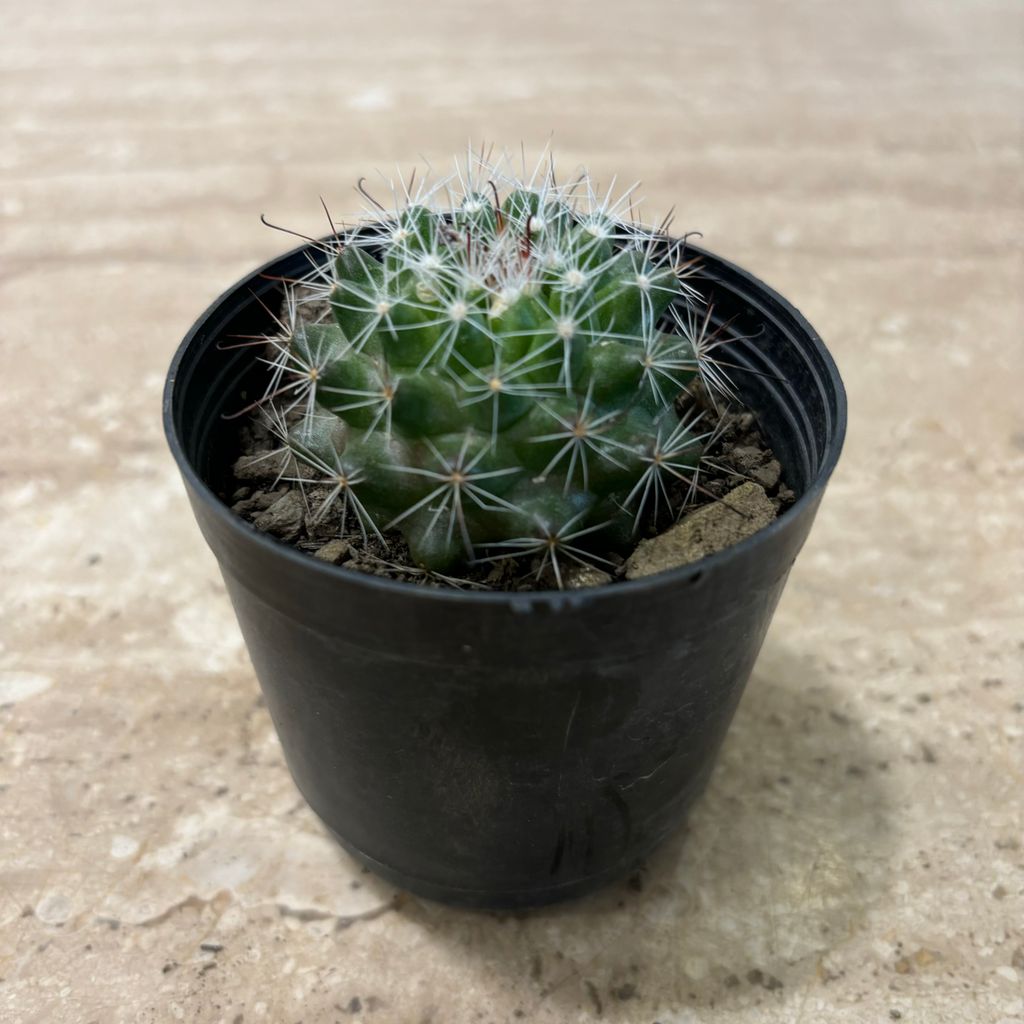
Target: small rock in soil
{"points": [[334, 551], [284, 518], [768, 475], [256, 467], [577, 577], [746, 457], [309, 309], [783, 498], [743, 511], [260, 500]]}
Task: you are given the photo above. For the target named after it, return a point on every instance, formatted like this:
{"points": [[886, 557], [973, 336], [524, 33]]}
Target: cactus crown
{"points": [[498, 371]]}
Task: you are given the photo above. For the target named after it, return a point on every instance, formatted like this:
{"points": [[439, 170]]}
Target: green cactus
{"points": [[497, 378]]}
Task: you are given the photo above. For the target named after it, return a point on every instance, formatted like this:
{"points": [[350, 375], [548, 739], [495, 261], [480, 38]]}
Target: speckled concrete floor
{"points": [[860, 854]]}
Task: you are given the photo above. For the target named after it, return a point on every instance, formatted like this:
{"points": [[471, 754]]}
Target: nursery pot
{"points": [[504, 749]]}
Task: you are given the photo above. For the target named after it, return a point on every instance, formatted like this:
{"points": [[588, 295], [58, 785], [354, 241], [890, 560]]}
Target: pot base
{"points": [[487, 899]]}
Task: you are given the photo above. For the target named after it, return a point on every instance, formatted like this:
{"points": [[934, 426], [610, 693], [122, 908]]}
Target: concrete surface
{"points": [[859, 856]]}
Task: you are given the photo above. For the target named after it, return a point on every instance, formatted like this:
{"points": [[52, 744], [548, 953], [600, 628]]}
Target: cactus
{"points": [[498, 372]]}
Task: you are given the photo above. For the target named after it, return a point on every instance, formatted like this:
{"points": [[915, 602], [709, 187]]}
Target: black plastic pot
{"points": [[505, 749]]}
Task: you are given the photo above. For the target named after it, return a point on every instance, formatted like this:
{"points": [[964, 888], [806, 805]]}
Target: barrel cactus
{"points": [[498, 372]]}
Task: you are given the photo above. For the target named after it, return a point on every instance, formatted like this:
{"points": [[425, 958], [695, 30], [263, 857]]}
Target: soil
{"points": [[741, 489]]}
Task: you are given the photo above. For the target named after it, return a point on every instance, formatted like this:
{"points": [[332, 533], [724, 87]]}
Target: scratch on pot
{"points": [[572, 716], [654, 771], [565, 741]]}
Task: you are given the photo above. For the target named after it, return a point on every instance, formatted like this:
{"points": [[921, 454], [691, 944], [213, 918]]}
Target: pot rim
{"points": [[523, 600]]}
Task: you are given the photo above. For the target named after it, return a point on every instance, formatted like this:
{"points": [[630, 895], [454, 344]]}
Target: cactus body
{"points": [[497, 379]]}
